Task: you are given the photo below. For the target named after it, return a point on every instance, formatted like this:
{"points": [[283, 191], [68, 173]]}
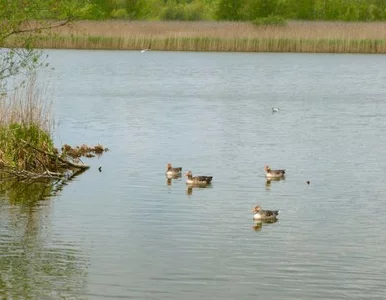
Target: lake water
{"points": [[125, 233]]}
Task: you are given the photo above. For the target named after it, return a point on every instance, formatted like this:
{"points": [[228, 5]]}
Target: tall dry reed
{"points": [[26, 124], [296, 36], [293, 30], [27, 105]]}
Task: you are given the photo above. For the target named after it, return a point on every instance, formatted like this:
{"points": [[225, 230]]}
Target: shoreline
{"points": [[206, 36]]}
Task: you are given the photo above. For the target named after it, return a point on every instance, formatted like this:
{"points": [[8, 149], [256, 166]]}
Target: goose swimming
{"points": [[170, 171], [198, 180], [269, 173], [264, 215]]}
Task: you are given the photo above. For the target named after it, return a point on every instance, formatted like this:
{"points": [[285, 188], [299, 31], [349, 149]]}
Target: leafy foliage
{"points": [[23, 21], [12, 142], [119, 13], [241, 10], [271, 20], [229, 10], [345, 10]]}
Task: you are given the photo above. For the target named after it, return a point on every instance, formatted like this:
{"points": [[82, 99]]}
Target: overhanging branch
{"points": [[36, 29]]}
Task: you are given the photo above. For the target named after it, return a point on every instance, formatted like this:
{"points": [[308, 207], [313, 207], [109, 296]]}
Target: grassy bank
{"points": [[27, 151], [325, 37], [25, 118]]}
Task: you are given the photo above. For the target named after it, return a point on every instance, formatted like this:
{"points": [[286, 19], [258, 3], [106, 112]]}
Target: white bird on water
{"points": [[144, 50], [275, 109]]}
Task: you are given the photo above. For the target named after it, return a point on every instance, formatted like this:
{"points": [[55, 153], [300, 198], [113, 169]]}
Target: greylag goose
{"points": [[264, 215], [269, 173], [172, 171], [198, 180]]}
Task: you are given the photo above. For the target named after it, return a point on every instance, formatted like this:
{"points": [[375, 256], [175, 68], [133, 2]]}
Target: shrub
{"points": [[195, 11], [25, 118], [173, 11], [271, 20], [120, 13], [13, 139]]}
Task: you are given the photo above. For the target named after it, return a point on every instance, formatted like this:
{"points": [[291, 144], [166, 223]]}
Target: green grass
{"points": [[25, 118], [15, 154]]}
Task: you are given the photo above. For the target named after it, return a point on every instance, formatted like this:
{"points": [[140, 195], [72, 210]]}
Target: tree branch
{"points": [[71, 164], [20, 31]]}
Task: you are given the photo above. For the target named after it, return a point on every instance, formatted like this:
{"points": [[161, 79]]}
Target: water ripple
{"points": [[127, 232]]}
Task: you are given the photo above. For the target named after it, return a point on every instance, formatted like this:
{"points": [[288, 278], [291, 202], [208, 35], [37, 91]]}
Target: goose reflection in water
{"points": [[170, 177], [189, 188], [258, 224], [269, 181]]}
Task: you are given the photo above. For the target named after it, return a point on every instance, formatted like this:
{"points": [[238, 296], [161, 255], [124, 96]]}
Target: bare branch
{"points": [[71, 164], [36, 29]]}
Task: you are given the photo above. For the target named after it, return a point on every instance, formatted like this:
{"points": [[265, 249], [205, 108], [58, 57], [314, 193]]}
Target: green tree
{"points": [[351, 13], [305, 9], [106, 6], [173, 11], [21, 24], [230, 10], [375, 13], [150, 9], [265, 8]]}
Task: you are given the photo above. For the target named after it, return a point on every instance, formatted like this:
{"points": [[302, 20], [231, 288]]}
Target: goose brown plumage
{"points": [[264, 215], [269, 173], [172, 171], [198, 180]]}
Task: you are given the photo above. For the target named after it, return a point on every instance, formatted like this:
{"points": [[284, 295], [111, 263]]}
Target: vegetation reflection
{"points": [[33, 265]]}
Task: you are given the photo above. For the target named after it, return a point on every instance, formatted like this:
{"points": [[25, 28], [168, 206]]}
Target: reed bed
{"points": [[27, 151], [25, 117], [296, 36], [27, 106]]}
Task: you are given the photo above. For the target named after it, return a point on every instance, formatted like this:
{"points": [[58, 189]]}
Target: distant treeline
{"points": [[236, 10]]}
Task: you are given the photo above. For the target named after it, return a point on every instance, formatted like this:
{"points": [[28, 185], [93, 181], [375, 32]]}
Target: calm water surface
{"points": [[126, 233]]}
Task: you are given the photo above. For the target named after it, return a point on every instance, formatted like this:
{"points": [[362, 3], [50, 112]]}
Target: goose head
{"points": [[189, 173], [267, 168], [168, 166], [256, 209]]}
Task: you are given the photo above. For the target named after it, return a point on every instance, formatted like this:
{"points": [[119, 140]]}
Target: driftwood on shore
{"points": [[64, 161], [55, 166]]}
